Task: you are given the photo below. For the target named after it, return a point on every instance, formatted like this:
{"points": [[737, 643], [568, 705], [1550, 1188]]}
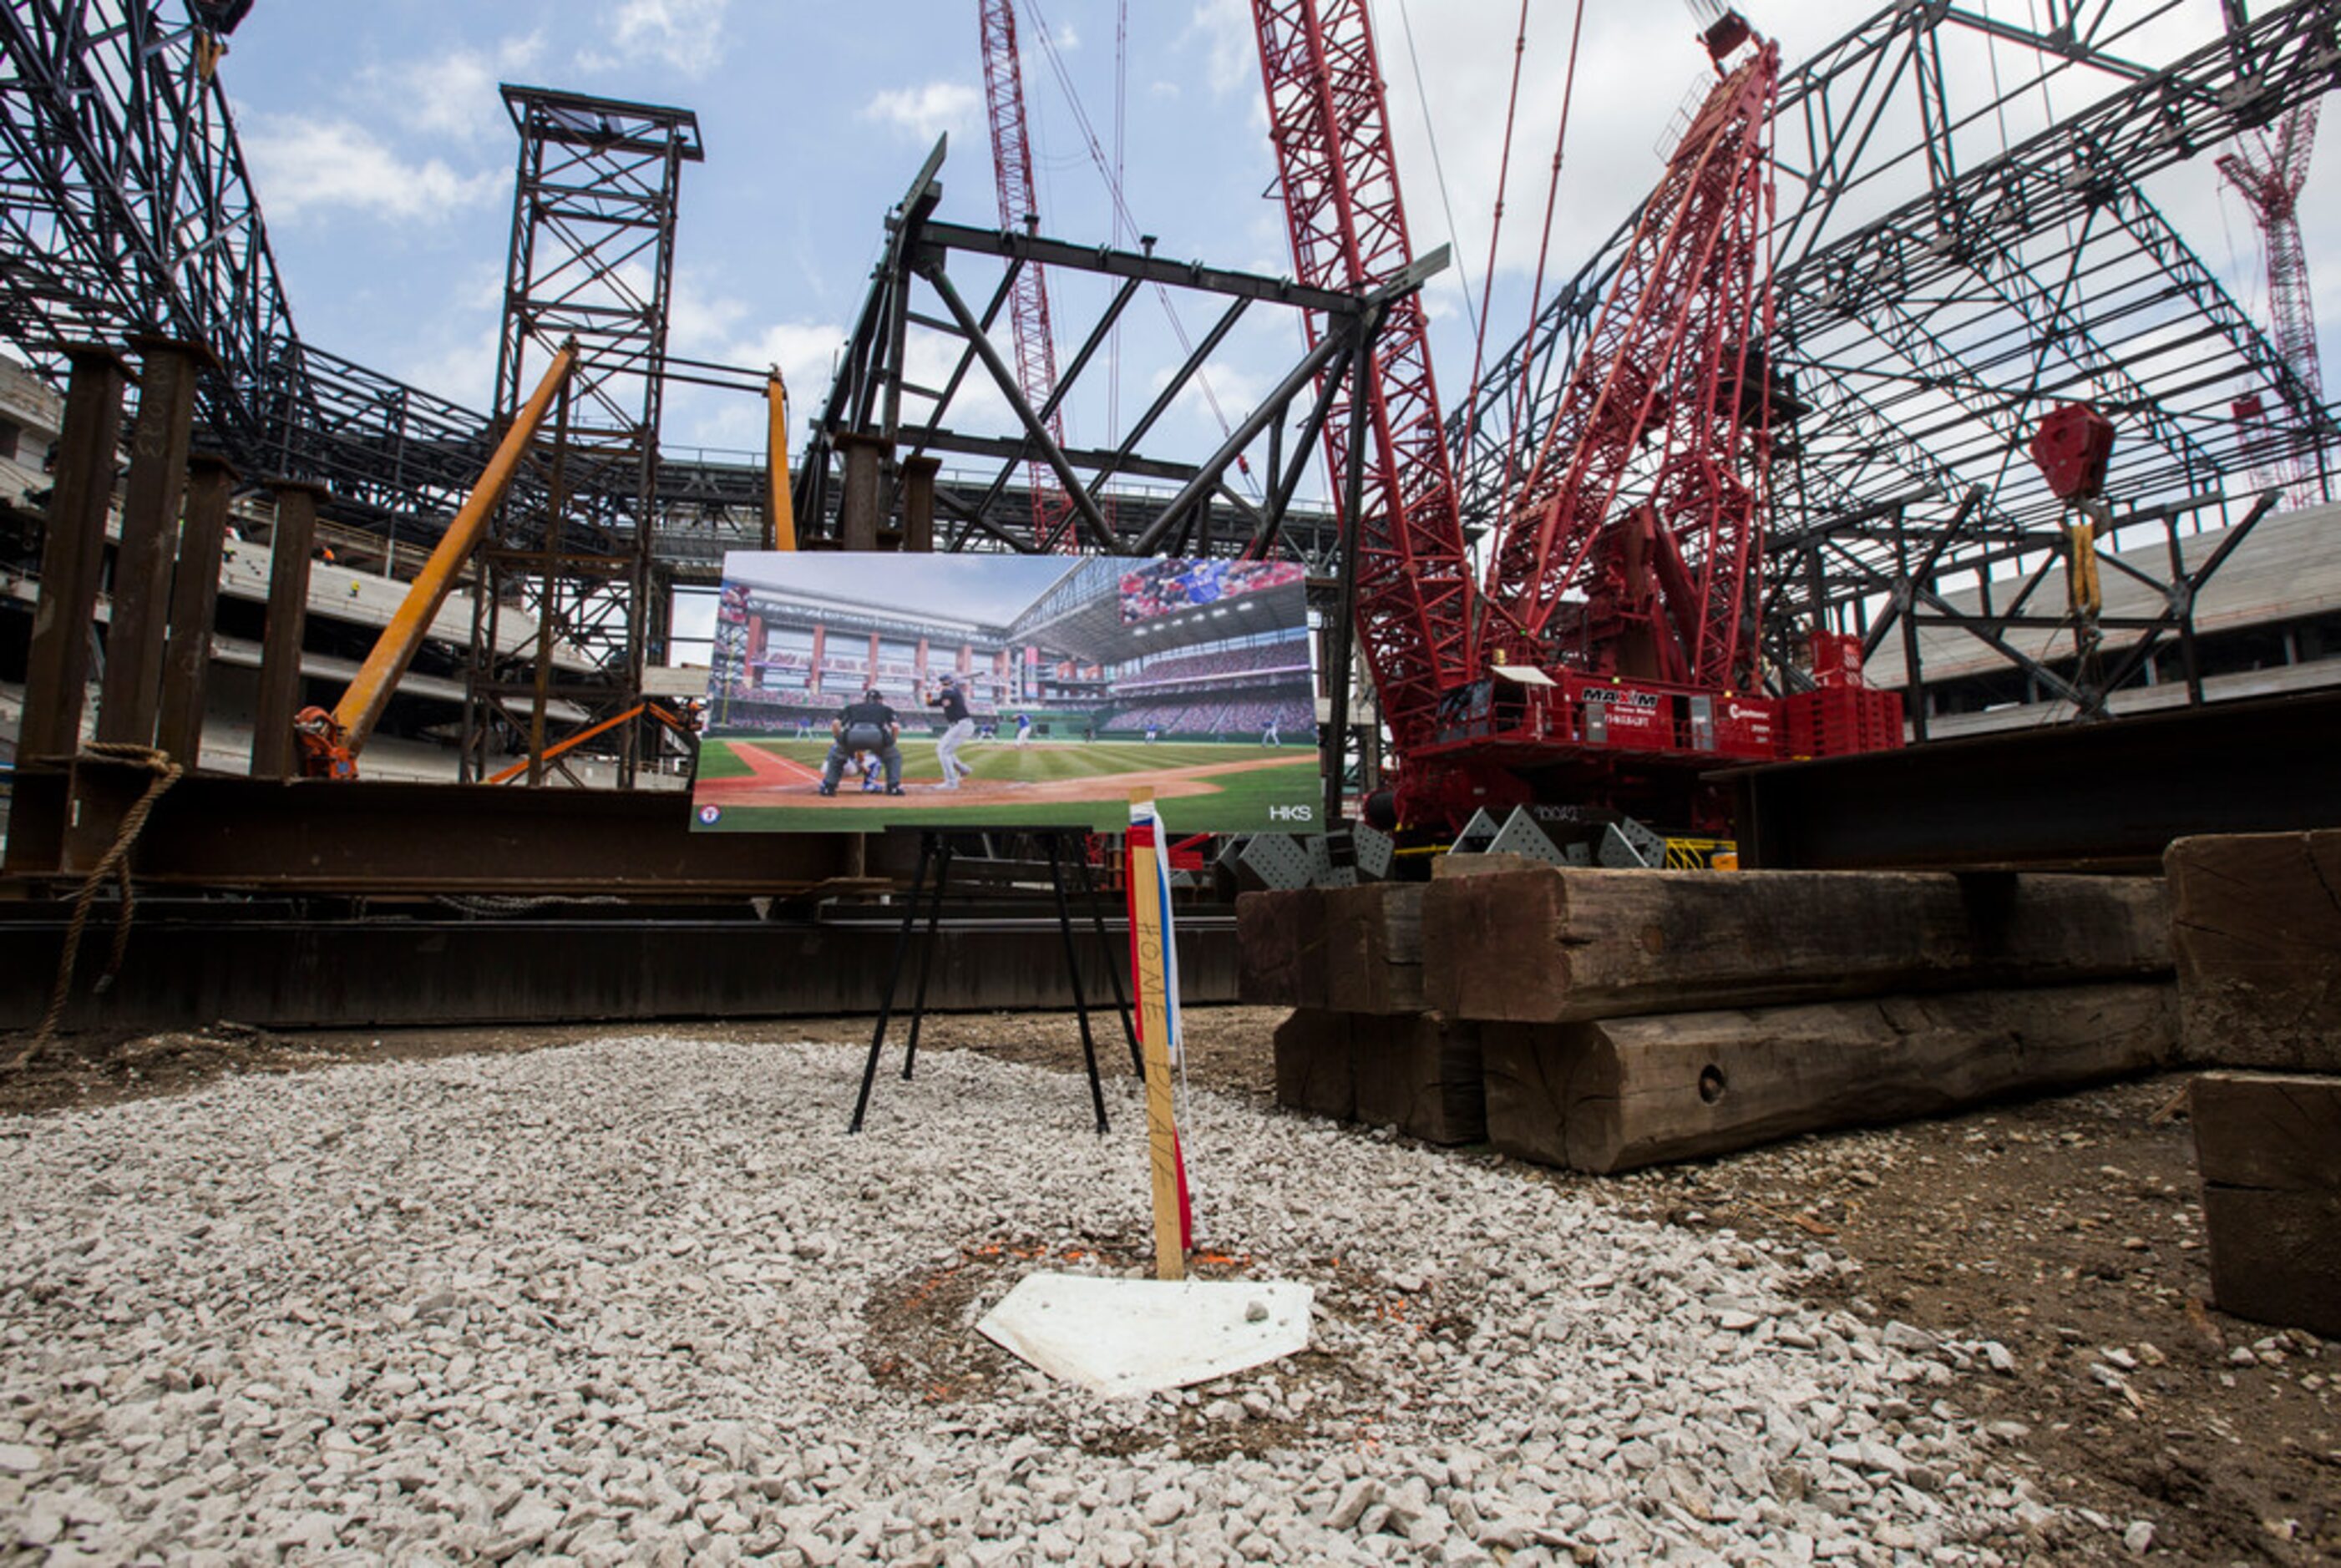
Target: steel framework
{"points": [[1962, 242], [874, 406], [592, 262]]}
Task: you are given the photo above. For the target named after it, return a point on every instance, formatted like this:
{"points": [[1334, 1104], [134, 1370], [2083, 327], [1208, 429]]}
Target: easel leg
{"points": [[1113, 963], [893, 980], [927, 957], [1073, 974]]}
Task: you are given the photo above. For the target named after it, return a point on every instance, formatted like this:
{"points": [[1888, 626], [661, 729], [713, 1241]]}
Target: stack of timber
{"points": [[1624, 1019], [2257, 936], [2269, 1146], [1360, 1046]]}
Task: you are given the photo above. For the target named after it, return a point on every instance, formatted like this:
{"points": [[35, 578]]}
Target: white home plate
{"points": [[1143, 1335]]}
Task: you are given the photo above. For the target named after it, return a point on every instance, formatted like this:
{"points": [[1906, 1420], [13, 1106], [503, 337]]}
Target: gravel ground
{"points": [[645, 1298]]}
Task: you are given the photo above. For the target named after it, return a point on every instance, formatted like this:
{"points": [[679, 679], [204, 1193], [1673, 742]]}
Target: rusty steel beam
{"points": [[274, 753], [73, 553], [194, 600], [223, 832], [421, 963], [132, 691]]}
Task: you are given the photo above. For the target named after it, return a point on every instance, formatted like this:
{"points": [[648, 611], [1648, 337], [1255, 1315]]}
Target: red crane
{"points": [[1671, 391], [2270, 171], [1612, 653], [1027, 304], [1330, 127]]}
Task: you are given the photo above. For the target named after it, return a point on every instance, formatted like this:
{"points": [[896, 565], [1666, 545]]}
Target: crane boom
{"points": [[1339, 178], [1672, 390], [1027, 304], [2270, 176]]}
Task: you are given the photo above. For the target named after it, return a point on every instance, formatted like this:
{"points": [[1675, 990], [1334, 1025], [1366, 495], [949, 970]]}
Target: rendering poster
{"points": [[851, 692]]}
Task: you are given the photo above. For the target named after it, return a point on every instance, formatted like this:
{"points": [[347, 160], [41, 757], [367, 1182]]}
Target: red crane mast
{"points": [[1338, 177], [1027, 304], [2270, 176], [1611, 655]]}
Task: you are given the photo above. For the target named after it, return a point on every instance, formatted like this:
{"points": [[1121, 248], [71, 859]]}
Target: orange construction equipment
{"points": [[558, 746], [324, 754], [361, 705]]}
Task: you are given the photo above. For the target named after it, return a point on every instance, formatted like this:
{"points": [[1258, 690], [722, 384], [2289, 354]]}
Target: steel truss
{"points": [[1943, 282], [1335, 166], [592, 264], [899, 426]]}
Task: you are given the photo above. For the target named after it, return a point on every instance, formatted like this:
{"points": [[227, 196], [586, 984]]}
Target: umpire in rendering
{"points": [[864, 726]]}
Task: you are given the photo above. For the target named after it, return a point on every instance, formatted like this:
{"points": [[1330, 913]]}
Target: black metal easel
{"points": [[935, 851]]}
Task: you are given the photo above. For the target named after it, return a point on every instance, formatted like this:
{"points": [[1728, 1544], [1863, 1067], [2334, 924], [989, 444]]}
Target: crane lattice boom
{"points": [[1672, 394], [1027, 304], [2270, 176], [1330, 127]]}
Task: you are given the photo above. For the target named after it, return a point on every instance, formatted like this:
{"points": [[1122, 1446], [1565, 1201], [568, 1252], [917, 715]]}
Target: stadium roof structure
{"points": [[1964, 240], [1083, 615], [1078, 613]]}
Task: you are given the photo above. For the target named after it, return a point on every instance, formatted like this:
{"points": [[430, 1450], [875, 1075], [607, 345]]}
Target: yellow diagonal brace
{"points": [[783, 532], [361, 705]]}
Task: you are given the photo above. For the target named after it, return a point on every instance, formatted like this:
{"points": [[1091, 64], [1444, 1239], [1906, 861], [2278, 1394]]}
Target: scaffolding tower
{"points": [[568, 602]]}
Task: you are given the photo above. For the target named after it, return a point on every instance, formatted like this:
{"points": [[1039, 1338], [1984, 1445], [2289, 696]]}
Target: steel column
{"points": [[919, 503], [56, 665], [272, 751], [858, 512], [132, 690], [194, 599]]}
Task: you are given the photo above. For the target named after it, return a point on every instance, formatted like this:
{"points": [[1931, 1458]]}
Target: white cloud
{"points": [[1233, 41], [455, 95], [301, 164], [927, 112], [461, 369], [687, 34]]}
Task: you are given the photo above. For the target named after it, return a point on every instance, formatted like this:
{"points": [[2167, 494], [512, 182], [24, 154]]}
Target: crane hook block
{"points": [[2071, 448]]}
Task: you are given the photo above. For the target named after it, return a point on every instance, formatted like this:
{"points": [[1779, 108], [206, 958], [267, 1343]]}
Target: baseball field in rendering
{"points": [[770, 784]]}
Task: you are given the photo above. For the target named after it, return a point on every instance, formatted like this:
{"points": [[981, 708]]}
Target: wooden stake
{"points": [[1154, 1037]]}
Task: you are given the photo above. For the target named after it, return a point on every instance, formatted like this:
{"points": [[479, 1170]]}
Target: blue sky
{"points": [[383, 161]]}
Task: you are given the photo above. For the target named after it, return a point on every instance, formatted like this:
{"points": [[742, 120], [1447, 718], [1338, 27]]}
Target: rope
{"points": [[1474, 312], [114, 863], [1520, 399], [1503, 182]]}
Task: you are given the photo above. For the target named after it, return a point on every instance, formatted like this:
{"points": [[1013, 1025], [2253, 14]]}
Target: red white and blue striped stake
{"points": [[1154, 976]]}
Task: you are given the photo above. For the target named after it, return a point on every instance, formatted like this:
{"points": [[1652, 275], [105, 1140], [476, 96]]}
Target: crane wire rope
{"points": [[1503, 183], [1544, 249], [1113, 189], [1476, 316], [1121, 230]]}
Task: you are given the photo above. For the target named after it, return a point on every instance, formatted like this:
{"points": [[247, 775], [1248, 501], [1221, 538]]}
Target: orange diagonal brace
{"points": [[566, 742], [784, 530], [361, 706]]}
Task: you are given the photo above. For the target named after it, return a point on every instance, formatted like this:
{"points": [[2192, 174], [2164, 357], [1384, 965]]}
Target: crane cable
{"points": [[1113, 189], [1477, 314], [1503, 183], [1544, 250]]}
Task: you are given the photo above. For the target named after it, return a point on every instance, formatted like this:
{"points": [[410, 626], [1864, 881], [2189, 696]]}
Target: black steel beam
{"points": [[1144, 266], [2107, 797], [430, 962]]}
